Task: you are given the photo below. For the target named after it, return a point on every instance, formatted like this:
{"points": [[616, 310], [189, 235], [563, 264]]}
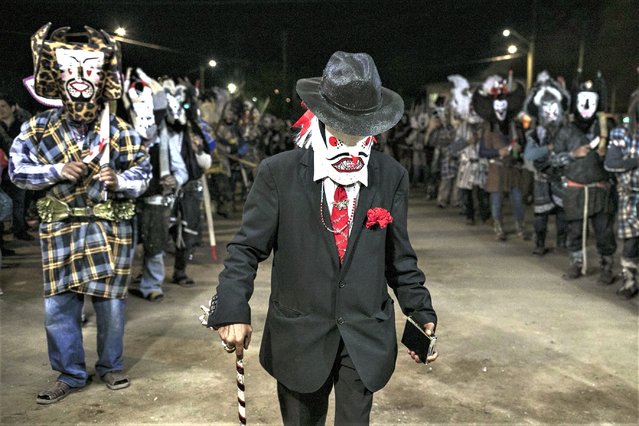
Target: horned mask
{"points": [[82, 69]]}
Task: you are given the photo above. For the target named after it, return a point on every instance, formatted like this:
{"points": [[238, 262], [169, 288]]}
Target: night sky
{"points": [[263, 44]]}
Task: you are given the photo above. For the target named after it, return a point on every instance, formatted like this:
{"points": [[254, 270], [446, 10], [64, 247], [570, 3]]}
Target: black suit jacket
{"points": [[314, 301]]}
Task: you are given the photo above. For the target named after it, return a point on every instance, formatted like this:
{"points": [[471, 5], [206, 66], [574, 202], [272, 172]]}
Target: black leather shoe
{"points": [[628, 292], [7, 252], [24, 236]]}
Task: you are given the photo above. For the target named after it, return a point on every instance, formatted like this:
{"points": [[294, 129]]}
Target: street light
{"points": [[530, 55], [512, 49], [232, 87], [120, 31], [212, 63]]}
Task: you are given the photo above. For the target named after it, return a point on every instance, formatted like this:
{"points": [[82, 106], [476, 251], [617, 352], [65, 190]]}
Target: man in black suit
{"points": [[334, 217]]}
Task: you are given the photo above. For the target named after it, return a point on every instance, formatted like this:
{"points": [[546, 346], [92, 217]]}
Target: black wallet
{"points": [[416, 339]]}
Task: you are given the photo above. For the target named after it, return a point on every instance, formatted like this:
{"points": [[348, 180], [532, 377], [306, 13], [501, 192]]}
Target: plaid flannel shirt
{"points": [[90, 257], [624, 147]]}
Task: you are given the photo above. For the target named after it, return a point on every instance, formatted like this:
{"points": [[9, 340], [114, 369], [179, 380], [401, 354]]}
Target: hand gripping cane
{"points": [[239, 362]]}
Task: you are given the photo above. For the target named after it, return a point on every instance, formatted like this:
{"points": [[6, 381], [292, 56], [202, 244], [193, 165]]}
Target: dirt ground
{"points": [[517, 344]]}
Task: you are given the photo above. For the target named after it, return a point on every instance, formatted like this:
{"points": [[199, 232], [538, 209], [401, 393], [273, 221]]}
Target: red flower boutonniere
{"points": [[378, 217]]}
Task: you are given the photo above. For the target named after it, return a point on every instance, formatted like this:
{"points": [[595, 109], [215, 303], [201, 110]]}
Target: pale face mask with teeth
{"points": [[501, 108], [347, 157]]}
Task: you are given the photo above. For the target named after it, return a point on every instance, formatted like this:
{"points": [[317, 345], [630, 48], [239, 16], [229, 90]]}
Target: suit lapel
{"points": [[366, 197]]}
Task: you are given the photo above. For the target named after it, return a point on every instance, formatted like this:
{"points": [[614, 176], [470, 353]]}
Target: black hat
{"points": [[349, 96]]}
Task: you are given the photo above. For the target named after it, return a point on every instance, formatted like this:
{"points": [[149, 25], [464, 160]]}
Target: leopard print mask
{"points": [[82, 74]]}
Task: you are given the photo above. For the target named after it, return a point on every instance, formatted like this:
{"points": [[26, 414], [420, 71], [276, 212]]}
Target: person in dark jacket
{"points": [[335, 218], [548, 103], [579, 150]]}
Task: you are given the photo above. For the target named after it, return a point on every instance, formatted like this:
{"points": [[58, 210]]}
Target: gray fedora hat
{"points": [[349, 96]]}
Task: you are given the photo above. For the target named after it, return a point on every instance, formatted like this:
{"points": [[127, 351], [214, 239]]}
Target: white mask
{"points": [[141, 98], [345, 164], [500, 106], [587, 104], [550, 112]]}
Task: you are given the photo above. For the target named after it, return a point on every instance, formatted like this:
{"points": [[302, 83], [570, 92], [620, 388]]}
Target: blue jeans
{"points": [[153, 274], [63, 324], [515, 203]]}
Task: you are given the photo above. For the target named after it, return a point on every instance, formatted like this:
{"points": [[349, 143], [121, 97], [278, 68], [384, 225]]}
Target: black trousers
{"points": [[602, 223], [631, 248], [353, 402], [469, 203], [185, 229], [561, 226]]}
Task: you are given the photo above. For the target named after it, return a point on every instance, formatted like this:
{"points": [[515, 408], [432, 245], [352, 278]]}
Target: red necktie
{"points": [[339, 220]]}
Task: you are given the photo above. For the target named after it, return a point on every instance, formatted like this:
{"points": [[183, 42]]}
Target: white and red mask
{"points": [[344, 164]]}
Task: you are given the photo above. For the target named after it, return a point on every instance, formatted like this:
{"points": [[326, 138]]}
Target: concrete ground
{"points": [[517, 344]]}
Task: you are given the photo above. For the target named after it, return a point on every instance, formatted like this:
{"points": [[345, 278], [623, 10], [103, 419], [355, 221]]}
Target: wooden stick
{"points": [[209, 217]]}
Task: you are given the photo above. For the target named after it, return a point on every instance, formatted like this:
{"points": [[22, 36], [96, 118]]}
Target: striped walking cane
{"points": [[241, 402], [239, 361]]}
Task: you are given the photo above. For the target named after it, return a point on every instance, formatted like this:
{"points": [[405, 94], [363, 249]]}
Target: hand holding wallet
{"points": [[416, 339]]}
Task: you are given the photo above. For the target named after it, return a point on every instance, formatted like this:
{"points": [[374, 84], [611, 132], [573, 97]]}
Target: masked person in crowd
{"points": [[471, 176], [182, 124], [548, 103], [579, 151], [498, 101], [622, 158], [441, 135], [229, 136], [146, 102], [335, 218], [92, 165]]}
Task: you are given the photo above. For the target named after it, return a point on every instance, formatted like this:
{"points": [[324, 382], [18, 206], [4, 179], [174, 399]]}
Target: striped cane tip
{"points": [[214, 253]]}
